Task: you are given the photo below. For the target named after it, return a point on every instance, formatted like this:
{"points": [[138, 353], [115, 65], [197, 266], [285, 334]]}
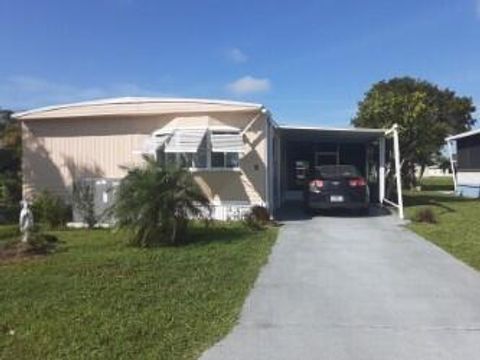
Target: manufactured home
{"points": [[465, 163], [237, 153]]}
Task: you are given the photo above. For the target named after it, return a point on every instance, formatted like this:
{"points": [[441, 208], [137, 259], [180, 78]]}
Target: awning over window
{"points": [[185, 141], [227, 143]]}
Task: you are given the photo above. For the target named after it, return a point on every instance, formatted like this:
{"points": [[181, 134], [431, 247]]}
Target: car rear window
{"points": [[336, 171]]}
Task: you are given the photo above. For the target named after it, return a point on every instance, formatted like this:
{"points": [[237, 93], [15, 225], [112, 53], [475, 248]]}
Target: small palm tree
{"points": [[155, 203]]}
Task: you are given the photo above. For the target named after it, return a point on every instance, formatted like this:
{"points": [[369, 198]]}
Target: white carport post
{"points": [[398, 173], [452, 164], [381, 169]]}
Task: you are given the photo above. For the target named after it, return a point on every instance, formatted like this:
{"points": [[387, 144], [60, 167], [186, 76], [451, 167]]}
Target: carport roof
{"points": [[331, 134]]}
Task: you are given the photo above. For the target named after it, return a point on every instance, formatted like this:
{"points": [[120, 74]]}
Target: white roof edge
{"points": [[294, 127], [136, 100], [464, 134]]}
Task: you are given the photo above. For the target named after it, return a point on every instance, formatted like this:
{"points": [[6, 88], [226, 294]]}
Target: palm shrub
{"points": [[154, 204]]}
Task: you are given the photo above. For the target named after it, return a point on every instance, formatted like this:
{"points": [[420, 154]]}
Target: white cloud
{"points": [[24, 92], [237, 56], [249, 85]]}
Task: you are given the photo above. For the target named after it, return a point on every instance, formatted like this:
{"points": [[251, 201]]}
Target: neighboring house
{"points": [[466, 163], [237, 154]]}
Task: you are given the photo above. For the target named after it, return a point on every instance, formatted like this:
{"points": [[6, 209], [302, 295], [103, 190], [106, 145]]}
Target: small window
{"points": [[228, 160], [160, 156], [183, 160], [232, 160], [218, 160], [200, 157]]}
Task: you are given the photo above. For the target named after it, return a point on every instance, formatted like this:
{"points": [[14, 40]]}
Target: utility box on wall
{"points": [[103, 198]]}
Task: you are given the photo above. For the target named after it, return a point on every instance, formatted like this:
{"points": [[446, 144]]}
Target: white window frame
{"points": [[224, 167], [209, 152]]}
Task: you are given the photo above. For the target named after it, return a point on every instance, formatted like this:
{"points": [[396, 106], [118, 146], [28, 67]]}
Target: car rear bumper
{"points": [[351, 200], [345, 205]]}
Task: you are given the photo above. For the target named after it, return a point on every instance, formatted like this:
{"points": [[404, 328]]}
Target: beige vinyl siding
{"points": [[56, 151]]}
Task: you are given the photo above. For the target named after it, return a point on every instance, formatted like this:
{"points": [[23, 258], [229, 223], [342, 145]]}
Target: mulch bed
{"points": [[14, 251]]}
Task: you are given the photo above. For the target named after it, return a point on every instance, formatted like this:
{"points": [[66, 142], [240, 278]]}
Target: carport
{"points": [[375, 153]]}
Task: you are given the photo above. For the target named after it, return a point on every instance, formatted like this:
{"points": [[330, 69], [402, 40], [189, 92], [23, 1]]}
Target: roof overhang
{"points": [[307, 133], [136, 106]]}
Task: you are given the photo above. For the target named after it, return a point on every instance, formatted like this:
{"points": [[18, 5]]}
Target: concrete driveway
{"points": [[357, 288]]}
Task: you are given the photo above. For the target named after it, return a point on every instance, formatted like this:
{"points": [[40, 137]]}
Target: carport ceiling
{"points": [[299, 133]]}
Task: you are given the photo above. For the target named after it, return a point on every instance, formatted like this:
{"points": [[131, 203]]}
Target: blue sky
{"points": [[310, 62]]}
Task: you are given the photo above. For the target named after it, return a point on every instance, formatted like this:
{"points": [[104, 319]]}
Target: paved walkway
{"points": [[357, 288]]}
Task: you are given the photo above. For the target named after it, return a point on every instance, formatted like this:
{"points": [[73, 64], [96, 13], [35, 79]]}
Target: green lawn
{"points": [[440, 183], [98, 298], [458, 227], [8, 231]]}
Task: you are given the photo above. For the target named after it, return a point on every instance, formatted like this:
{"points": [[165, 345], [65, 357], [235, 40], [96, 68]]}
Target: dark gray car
{"points": [[337, 186]]}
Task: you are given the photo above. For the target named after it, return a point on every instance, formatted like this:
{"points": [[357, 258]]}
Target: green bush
{"points": [[257, 218], [154, 204], [425, 215], [9, 231], [51, 210]]}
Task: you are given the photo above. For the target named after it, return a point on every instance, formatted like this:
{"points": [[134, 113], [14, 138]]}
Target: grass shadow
{"points": [[414, 199]]}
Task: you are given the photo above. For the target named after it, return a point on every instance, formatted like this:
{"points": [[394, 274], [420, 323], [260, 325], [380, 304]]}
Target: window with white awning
{"points": [[226, 148], [226, 142], [200, 148], [196, 142], [185, 141]]}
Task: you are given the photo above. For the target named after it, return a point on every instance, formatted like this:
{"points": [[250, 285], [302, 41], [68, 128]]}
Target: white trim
{"points": [[381, 170], [464, 134], [169, 130], [393, 132], [214, 169], [315, 128], [452, 164], [398, 172], [267, 166], [136, 100]]}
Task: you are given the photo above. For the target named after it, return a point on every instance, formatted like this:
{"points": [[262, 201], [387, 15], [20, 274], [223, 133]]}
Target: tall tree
{"points": [[425, 113]]}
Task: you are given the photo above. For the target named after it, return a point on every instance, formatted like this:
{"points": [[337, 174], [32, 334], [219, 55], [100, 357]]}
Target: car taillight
{"points": [[315, 185], [357, 182]]}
